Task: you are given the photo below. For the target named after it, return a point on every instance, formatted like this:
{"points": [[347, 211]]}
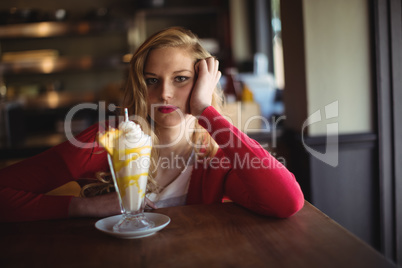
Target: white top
{"points": [[175, 194]]}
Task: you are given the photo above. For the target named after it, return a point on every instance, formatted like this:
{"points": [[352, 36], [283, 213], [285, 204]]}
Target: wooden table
{"points": [[223, 235]]}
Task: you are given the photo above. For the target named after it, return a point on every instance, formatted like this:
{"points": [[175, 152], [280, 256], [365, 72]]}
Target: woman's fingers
{"points": [[150, 204], [213, 65], [210, 65]]}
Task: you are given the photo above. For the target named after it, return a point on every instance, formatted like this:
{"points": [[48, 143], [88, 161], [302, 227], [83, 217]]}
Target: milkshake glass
{"points": [[129, 161]]}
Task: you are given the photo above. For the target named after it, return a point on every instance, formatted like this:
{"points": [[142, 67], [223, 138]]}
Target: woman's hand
{"points": [[208, 77], [98, 206], [149, 203]]}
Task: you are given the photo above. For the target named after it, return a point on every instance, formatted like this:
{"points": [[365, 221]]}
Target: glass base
{"points": [[130, 223]]}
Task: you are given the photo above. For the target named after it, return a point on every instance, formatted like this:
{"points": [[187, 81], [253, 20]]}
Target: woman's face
{"points": [[169, 74]]}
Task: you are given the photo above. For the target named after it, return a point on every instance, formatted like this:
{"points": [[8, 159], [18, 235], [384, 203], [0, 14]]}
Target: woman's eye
{"points": [[151, 81], [181, 78]]}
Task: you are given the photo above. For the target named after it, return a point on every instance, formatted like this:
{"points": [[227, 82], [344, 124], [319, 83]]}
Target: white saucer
{"points": [[106, 225]]}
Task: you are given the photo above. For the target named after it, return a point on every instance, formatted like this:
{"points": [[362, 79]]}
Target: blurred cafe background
{"points": [[314, 81]]}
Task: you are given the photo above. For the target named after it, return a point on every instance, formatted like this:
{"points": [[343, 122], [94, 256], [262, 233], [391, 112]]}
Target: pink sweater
{"points": [[241, 171]]}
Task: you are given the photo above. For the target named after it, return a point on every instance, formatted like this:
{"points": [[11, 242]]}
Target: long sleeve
{"points": [[253, 177], [23, 186]]}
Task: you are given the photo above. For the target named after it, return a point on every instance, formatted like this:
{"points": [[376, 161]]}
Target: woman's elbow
{"points": [[290, 208], [284, 207]]}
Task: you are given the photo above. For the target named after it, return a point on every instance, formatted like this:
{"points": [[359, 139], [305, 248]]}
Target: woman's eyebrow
{"points": [[180, 71], [175, 72], [148, 73]]}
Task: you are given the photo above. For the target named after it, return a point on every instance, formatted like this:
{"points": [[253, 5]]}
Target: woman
{"points": [[199, 156]]}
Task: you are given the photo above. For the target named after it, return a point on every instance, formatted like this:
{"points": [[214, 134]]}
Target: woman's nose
{"points": [[166, 91]]}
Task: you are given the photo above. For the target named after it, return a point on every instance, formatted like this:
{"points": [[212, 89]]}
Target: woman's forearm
{"points": [[98, 206]]}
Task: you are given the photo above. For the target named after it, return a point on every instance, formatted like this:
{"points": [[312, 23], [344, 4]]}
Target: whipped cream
{"points": [[131, 135]]}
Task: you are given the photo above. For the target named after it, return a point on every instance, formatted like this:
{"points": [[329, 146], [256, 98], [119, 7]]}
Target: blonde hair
{"points": [[136, 92]]}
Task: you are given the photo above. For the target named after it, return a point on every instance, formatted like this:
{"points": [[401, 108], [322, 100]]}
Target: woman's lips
{"points": [[167, 109]]}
